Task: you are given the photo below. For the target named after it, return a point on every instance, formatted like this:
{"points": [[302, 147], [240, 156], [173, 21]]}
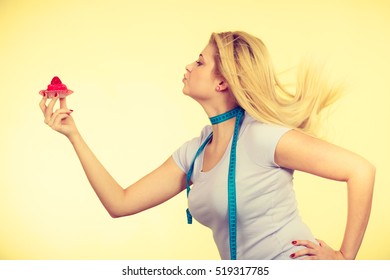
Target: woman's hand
{"points": [[320, 251], [59, 120]]}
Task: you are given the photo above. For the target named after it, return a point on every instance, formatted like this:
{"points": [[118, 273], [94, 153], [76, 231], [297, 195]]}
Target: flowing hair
{"points": [[244, 62]]}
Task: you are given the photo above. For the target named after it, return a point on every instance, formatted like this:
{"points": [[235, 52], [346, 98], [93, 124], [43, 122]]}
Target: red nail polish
{"points": [[292, 255], [56, 94], [294, 242]]}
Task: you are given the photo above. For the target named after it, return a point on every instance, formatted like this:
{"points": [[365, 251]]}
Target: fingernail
{"points": [[294, 242], [292, 255], [56, 94]]}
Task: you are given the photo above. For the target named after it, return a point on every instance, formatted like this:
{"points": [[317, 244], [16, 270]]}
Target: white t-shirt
{"points": [[267, 216]]}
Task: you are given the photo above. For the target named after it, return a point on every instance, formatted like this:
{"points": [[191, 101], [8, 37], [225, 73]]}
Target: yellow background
{"points": [[125, 61]]}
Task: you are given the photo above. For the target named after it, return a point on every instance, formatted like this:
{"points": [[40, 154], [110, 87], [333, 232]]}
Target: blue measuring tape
{"points": [[237, 112]]}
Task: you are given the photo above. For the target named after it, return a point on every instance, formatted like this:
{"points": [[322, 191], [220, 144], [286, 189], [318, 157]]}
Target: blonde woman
{"points": [[241, 166]]}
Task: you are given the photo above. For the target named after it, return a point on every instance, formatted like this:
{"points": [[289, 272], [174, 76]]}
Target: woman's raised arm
{"points": [[156, 187]]}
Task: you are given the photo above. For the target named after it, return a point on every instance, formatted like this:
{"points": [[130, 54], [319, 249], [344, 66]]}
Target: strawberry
{"points": [[56, 81]]}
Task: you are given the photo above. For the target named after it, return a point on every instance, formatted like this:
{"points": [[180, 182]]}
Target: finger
{"points": [[63, 103], [321, 243], [303, 252], [53, 117], [49, 109], [42, 104], [310, 258], [58, 119], [305, 243], [299, 253]]}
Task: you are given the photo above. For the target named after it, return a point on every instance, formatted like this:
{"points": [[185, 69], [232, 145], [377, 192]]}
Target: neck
{"points": [[223, 124], [225, 116], [213, 111]]}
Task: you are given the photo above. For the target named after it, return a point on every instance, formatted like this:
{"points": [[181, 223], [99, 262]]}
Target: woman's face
{"points": [[200, 80]]}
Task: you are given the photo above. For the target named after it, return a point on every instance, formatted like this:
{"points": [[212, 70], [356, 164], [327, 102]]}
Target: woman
{"points": [[241, 167]]}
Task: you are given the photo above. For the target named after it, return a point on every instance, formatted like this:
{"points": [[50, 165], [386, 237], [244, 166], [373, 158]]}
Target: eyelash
{"points": [[198, 63]]}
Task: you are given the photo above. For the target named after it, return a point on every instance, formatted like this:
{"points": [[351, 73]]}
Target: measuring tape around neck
{"points": [[237, 112]]}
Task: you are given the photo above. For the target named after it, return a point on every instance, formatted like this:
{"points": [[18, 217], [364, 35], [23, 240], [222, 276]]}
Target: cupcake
{"points": [[56, 87]]}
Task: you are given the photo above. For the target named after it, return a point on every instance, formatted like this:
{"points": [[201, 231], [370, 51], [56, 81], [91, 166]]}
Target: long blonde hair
{"points": [[244, 62]]}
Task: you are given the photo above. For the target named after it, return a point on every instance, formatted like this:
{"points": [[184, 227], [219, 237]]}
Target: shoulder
{"points": [[184, 155], [195, 142], [261, 139], [263, 133], [306, 153]]}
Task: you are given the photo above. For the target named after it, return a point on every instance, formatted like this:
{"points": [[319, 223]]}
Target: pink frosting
{"points": [[56, 84]]}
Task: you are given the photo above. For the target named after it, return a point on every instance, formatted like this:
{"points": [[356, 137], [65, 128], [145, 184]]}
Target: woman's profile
{"points": [[238, 174]]}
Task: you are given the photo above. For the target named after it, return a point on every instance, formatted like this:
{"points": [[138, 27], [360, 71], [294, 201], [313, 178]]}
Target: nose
{"points": [[189, 67]]}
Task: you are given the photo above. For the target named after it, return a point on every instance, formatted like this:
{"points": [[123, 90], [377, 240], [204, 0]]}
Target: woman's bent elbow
{"points": [[119, 213], [371, 171], [116, 213], [114, 216], [366, 172]]}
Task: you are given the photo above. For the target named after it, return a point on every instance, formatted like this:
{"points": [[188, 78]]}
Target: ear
{"points": [[222, 85]]}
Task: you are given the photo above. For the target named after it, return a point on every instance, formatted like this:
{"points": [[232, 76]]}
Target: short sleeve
{"points": [[262, 141], [185, 154]]}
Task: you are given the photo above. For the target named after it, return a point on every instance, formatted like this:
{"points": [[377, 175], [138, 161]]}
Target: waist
{"points": [[267, 241]]}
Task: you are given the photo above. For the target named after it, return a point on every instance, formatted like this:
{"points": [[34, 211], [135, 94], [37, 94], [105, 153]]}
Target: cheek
{"points": [[200, 83]]}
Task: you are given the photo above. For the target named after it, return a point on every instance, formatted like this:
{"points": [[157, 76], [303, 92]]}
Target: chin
{"points": [[185, 91]]}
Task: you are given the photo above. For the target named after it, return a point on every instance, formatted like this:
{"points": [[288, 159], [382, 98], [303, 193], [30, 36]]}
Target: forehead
{"points": [[209, 52]]}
